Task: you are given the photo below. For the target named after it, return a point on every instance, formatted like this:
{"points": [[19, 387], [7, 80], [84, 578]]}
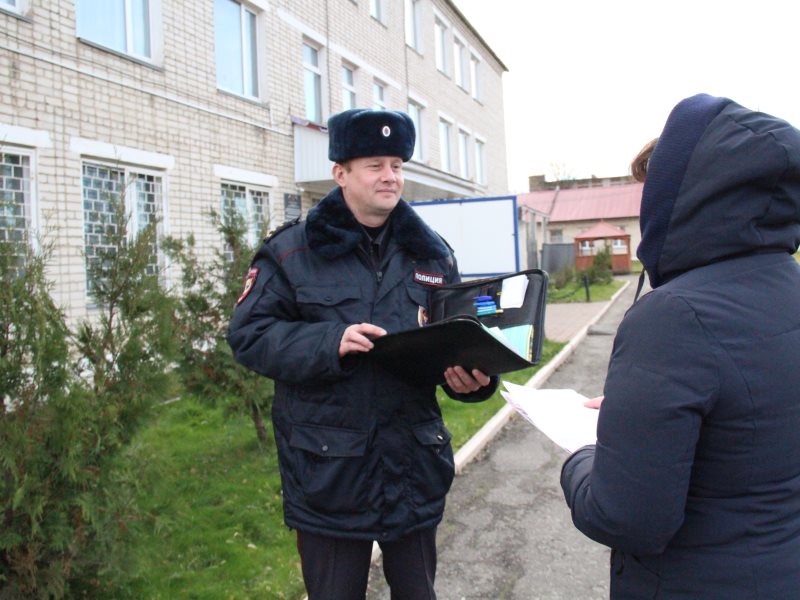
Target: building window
{"points": [[249, 203], [312, 83], [440, 48], [556, 236], [587, 248], [122, 25], [348, 87], [16, 211], [105, 191], [377, 10], [412, 14], [460, 63], [480, 162], [415, 112], [378, 95], [619, 246], [474, 76], [463, 154], [17, 7], [236, 41], [444, 145]]}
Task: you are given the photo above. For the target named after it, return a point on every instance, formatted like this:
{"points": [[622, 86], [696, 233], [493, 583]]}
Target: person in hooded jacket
{"points": [[694, 481], [364, 456]]}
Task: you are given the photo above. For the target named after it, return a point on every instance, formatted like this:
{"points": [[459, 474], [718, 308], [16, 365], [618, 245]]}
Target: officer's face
{"points": [[371, 186]]}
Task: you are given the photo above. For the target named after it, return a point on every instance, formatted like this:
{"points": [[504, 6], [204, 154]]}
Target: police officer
{"points": [[364, 456]]}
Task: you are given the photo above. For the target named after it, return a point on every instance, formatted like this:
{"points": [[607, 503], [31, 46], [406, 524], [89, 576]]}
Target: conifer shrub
{"points": [[206, 297], [71, 400]]}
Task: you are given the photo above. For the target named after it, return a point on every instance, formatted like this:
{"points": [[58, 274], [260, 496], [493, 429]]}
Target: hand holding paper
{"points": [[559, 414]]}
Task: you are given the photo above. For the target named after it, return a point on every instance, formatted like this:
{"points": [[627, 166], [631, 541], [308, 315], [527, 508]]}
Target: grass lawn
{"points": [[598, 292], [213, 526]]}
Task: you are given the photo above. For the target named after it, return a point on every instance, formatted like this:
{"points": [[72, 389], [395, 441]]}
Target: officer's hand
{"points": [[356, 338], [462, 382]]}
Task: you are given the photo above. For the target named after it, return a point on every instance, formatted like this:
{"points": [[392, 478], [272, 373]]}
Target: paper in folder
{"points": [[494, 324]]}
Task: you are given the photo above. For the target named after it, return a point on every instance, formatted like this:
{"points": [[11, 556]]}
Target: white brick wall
{"points": [[52, 81]]}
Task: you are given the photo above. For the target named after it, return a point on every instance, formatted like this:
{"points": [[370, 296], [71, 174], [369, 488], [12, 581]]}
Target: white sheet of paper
{"points": [[513, 292], [557, 413]]}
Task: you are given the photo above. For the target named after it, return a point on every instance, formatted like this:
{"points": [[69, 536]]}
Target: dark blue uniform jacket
{"points": [[362, 454], [695, 477]]}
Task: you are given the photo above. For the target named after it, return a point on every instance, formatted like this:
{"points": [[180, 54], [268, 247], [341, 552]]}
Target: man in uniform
{"points": [[364, 456]]}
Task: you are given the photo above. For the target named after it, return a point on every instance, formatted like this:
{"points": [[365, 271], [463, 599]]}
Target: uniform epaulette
{"points": [[281, 228], [445, 242]]}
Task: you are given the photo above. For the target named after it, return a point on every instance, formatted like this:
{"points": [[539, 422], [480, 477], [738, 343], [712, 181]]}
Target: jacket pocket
{"points": [[331, 303], [331, 469], [434, 468]]}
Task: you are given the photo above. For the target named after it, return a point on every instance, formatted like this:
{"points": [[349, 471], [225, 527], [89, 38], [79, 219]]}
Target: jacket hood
{"points": [[333, 230], [723, 181]]}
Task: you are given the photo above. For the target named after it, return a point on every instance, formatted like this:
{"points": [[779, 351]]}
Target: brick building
{"points": [[181, 106]]}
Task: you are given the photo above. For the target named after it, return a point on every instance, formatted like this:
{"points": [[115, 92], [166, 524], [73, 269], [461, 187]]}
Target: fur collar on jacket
{"points": [[333, 231]]}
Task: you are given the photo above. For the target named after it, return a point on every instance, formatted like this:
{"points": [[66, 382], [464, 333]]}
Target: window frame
{"points": [[440, 29], [475, 76], [445, 144], [413, 22], [266, 212], [377, 10], [415, 111], [19, 9], [480, 161], [462, 142], [316, 71], [460, 66], [154, 32], [129, 171], [248, 71], [31, 199], [378, 95], [349, 88]]}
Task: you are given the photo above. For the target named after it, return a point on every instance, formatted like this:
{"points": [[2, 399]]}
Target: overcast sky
{"points": [[590, 81]]}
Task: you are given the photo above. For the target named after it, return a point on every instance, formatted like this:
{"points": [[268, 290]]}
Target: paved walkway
{"points": [[507, 533], [562, 322]]}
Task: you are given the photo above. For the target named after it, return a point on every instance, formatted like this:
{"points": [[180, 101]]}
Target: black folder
{"points": [[456, 335]]}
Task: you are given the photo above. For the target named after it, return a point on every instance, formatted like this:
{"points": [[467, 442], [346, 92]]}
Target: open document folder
{"points": [[495, 324], [422, 355], [559, 414]]}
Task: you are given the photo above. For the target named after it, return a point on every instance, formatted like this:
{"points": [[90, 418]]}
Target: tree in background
{"points": [[206, 299], [600, 270]]}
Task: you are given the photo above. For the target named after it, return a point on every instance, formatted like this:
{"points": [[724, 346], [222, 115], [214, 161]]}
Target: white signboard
{"points": [[482, 231]]}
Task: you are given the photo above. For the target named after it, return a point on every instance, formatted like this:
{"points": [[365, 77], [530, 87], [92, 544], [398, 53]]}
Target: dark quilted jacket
{"points": [[362, 453], [695, 477]]}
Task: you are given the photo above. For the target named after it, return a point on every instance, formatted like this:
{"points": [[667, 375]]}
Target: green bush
{"points": [[206, 297], [70, 402], [600, 271]]}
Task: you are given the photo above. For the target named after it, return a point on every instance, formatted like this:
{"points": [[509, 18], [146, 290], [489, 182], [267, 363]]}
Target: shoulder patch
{"points": [[282, 228], [249, 282]]}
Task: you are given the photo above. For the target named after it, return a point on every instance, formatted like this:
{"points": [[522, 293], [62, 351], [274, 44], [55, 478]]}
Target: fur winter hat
{"points": [[360, 132]]}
